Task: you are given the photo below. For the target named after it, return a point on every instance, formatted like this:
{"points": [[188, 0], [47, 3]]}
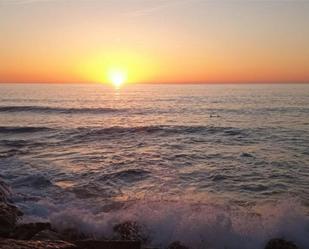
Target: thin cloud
{"points": [[17, 2], [159, 6]]}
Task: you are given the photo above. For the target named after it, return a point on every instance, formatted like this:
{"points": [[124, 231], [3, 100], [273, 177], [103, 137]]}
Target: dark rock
{"points": [[72, 234], [47, 235], [4, 192], [9, 215], [22, 244], [130, 230], [177, 245], [94, 244], [280, 244], [27, 231]]}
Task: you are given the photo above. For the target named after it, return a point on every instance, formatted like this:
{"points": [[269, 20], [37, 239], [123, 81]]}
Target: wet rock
{"points": [[47, 235], [72, 234], [4, 192], [130, 230], [177, 245], [9, 215], [94, 244], [280, 244], [27, 231], [22, 244]]}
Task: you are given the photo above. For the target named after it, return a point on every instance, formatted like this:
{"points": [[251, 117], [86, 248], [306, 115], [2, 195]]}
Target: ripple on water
{"points": [[254, 187], [128, 175], [33, 181], [93, 190]]}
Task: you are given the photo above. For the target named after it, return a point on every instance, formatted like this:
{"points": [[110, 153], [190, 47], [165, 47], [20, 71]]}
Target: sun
{"points": [[117, 77]]}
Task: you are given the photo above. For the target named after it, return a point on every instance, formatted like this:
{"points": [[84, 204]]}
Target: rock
{"points": [[177, 245], [72, 234], [22, 244], [280, 244], [4, 192], [94, 244], [130, 230], [27, 231], [9, 215], [47, 235]]}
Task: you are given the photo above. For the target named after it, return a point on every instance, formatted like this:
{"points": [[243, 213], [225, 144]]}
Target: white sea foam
{"points": [[197, 225]]}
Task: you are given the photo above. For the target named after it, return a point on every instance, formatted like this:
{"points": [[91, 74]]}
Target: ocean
{"points": [[225, 166]]}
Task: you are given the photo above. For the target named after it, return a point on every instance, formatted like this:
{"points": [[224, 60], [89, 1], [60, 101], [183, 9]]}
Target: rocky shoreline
{"points": [[41, 235]]}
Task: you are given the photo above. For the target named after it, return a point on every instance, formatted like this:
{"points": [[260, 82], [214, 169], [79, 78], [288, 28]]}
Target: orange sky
{"points": [[172, 41]]}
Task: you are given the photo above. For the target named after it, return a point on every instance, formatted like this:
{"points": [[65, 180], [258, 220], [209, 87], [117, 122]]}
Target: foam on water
{"points": [[216, 225]]}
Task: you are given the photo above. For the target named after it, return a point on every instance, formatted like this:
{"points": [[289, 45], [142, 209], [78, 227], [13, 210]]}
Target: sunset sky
{"points": [[156, 41]]}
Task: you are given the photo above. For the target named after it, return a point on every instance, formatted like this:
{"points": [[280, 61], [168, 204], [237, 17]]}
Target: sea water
{"points": [[223, 166]]}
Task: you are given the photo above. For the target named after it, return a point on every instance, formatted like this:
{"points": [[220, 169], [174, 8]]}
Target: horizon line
{"points": [[171, 83]]}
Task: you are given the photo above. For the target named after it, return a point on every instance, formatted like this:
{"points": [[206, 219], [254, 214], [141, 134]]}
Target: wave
{"points": [[19, 129], [171, 129], [128, 175], [260, 110], [90, 134], [197, 225], [57, 110], [36, 181]]}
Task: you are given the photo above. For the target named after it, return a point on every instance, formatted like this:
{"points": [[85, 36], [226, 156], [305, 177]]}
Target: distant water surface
{"points": [[169, 156]]}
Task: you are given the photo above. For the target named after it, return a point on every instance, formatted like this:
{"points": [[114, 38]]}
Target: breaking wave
{"points": [[197, 225]]}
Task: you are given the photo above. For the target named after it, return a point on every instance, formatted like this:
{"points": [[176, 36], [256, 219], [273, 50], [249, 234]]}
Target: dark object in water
{"points": [[176, 245], [95, 244], [214, 116], [245, 154], [280, 244]]}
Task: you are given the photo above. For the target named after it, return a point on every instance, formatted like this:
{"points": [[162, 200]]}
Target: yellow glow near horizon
{"points": [[117, 67], [117, 77]]}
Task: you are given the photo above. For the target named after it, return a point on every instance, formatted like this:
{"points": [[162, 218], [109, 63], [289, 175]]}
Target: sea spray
{"points": [[196, 224]]}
